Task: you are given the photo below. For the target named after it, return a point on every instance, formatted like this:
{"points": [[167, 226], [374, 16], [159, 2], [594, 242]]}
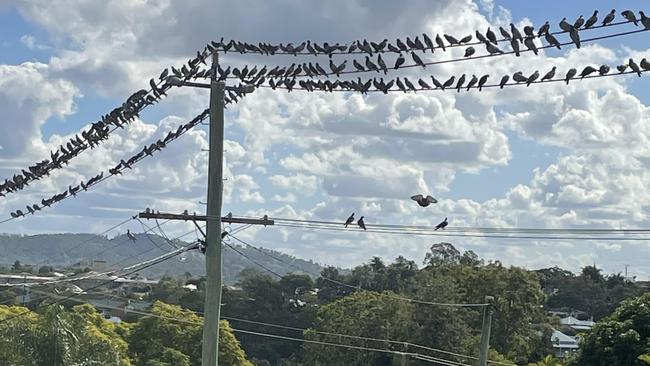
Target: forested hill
{"points": [[68, 249]]}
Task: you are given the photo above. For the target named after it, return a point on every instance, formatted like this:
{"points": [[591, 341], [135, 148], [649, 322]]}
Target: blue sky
{"points": [[285, 153]]}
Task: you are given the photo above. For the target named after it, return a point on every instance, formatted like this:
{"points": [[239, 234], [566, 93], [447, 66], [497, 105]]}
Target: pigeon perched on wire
{"points": [[609, 17], [503, 81], [645, 20], [349, 220], [592, 20], [549, 75], [504, 33], [516, 33], [424, 201], [629, 15], [579, 22], [469, 51], [482, 82], [570, 74], [361, 223], [442, 225], [634, 67]]}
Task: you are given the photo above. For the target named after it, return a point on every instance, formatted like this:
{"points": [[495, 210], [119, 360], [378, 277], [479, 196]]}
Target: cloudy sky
{"points": [[550, 156]]}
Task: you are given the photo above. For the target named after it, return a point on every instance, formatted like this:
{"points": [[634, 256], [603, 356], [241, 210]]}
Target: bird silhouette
{"points": [[532, 78], [503, 81], [423, 84], [645, 20], [428, 42], [530, 44], [552, 40], [361, 223], [564, 25], [621, 68], [549, 75], [440, 42], [492, 49], [436, 82], [491, 36], [370, 65], [465, 39], [400, 61], [448, 83], [569, 75], [424, 201], [481, 37], [482, 82], [579, 22], [451, 39], [469, 51], [516, 33], [544, 29], [504, 33], [609, 17], [603, 70], [358, 66], [442, 225], [519, 77], [418, 60], [349, 220], [634, 67], [382, 64], [472, 82], [575, 36], [629, 15], [645, 65], [529, 31], [460, 83], [514, 43], [592, 20]]}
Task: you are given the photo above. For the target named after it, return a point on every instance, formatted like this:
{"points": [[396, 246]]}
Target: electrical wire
{"points": [[190, 125], [442, 233], [252, 260], [451, 88], [409, 49], [304, 74], [149, 264], [358, 288]]}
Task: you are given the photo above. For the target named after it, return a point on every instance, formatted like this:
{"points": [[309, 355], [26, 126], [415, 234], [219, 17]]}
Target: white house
{"points": [[577, 324], [563, 344]]}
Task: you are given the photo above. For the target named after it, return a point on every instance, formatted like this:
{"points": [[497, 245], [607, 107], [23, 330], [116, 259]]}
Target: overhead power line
{"points": [[308, 48], [144, 265], [315, 70], [358, 288]]}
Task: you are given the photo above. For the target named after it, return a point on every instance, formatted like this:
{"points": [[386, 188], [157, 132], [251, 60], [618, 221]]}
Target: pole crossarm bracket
{"points": [[264, 221]]}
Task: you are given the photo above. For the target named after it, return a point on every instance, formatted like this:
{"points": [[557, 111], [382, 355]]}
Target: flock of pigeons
{"points": [[489, 39], [456, 82], [423, 201], [100, 130], [117, 169], [285, 77]]}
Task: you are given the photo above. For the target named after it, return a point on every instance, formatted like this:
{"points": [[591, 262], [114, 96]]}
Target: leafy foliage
{"points": [[621, 338]]}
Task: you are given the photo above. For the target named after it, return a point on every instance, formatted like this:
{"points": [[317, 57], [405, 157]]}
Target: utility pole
{"points": [[210, 349], [485, 331], [210, 346]]}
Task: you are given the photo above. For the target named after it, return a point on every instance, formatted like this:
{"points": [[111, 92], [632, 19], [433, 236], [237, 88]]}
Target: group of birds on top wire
{"points": [[489, 39], [285, 78]]}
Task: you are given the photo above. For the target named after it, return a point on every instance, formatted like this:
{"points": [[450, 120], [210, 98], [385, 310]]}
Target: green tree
{"points": [[363, 314], [621, 338], [59, 337], [174, 338]]}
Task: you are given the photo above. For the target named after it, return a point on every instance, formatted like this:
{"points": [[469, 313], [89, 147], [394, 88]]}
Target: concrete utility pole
{"points": [[210, 350], [485, 332], [209, 356]]}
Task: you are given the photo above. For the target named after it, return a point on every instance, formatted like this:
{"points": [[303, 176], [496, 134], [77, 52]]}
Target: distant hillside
{"points": [[55, 250]]}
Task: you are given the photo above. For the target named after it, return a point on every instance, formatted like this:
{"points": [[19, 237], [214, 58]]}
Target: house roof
{"points": [[561, 340], [576, 323]]}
